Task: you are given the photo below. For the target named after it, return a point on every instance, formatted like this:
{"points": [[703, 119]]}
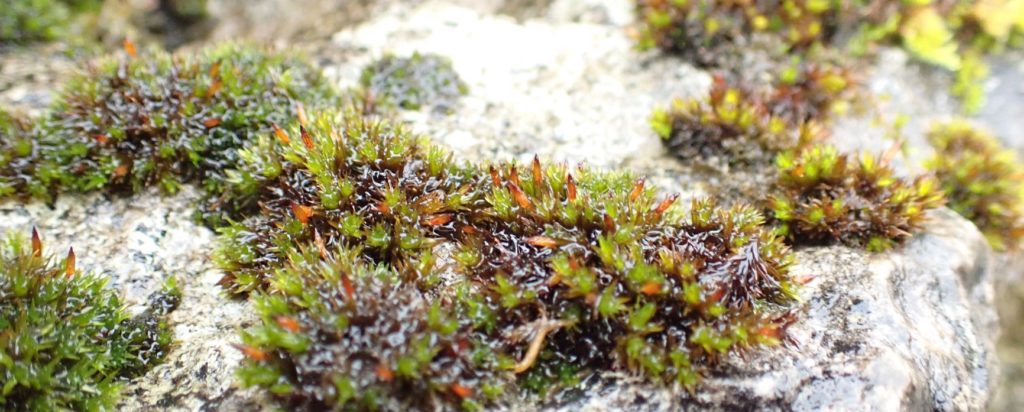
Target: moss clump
{"points": [[822, 196], [16, 149], [163, 120], [734, 125], [556, 270], [344, 180], [346, 336], [65, 340], [415, 81], [24, 21], [810, 92], [983, 181]]}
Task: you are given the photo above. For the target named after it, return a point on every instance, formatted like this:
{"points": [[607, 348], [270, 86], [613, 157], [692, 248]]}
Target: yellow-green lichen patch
{"points": [[983, 181]]}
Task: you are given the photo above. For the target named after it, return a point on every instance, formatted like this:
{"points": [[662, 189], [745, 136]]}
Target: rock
{"points": [[911, 329], [908, 330]]}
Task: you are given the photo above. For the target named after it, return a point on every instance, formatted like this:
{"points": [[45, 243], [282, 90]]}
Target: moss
{"points": [[23, 21], [822, 196], [347, 336], [944, 34], [414, 81], [562, 270], [161, 120], [982, 181], [16, 150], [737, 126], [66, 341]]}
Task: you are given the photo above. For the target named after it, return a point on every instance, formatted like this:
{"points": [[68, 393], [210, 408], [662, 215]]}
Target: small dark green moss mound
{"points": [[415, 81], [822, 196], [346, 336], [16, 150], [23, 21], [555, 272], [735, 126], [163, 120], [65, 340], [810, 92], [983, 181]]}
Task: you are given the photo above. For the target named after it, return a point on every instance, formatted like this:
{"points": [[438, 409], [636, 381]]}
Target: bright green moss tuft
{"points": [[822, 196], [65, 340], [983, 181], [415, 81], [160, 120], [23, 21]]}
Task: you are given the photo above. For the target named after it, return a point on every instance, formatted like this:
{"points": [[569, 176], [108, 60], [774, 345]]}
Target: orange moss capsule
{"points": [[538, 178], [543, 241], [495, 178], [211, 122], [307, 140], [664, 205], [651, 288], [638, 189], [280, 134], [251, 352], [384, 373], [438, 220], [129, 48], [520, 196], [303, 213], [461, 391], [288, 323], [69, 263], [570, 185], [37, 244]]}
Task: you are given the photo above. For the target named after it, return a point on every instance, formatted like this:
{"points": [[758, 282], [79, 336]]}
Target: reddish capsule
{"points": [[384, 373], [37, 244], [251, 352], [520, 196], [101, 138], [215, 69], [121, 170], [609, 224], [211, 122], [346, 283], [461, 391], [288, 323], [638, 189], [664, 205], [495, 178], [542, 241], [307, 140], [129, 47], [570, 186], [69, 263], [303, 213], [214, 88], [513, 176], [651, 288], [281, 135], [537, 176], [438, 220]]}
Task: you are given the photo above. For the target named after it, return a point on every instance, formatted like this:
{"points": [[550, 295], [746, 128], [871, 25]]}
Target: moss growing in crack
{"points": [[23, 21], [735, 125], [16, 150], [160, 120], [415, 81], [983, 181], [65, 341], [559, 271], [822, 196], [343, 335]]}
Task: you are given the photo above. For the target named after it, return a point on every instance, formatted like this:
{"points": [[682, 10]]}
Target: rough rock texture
{"points": [[896, 331], [912, 329]]}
